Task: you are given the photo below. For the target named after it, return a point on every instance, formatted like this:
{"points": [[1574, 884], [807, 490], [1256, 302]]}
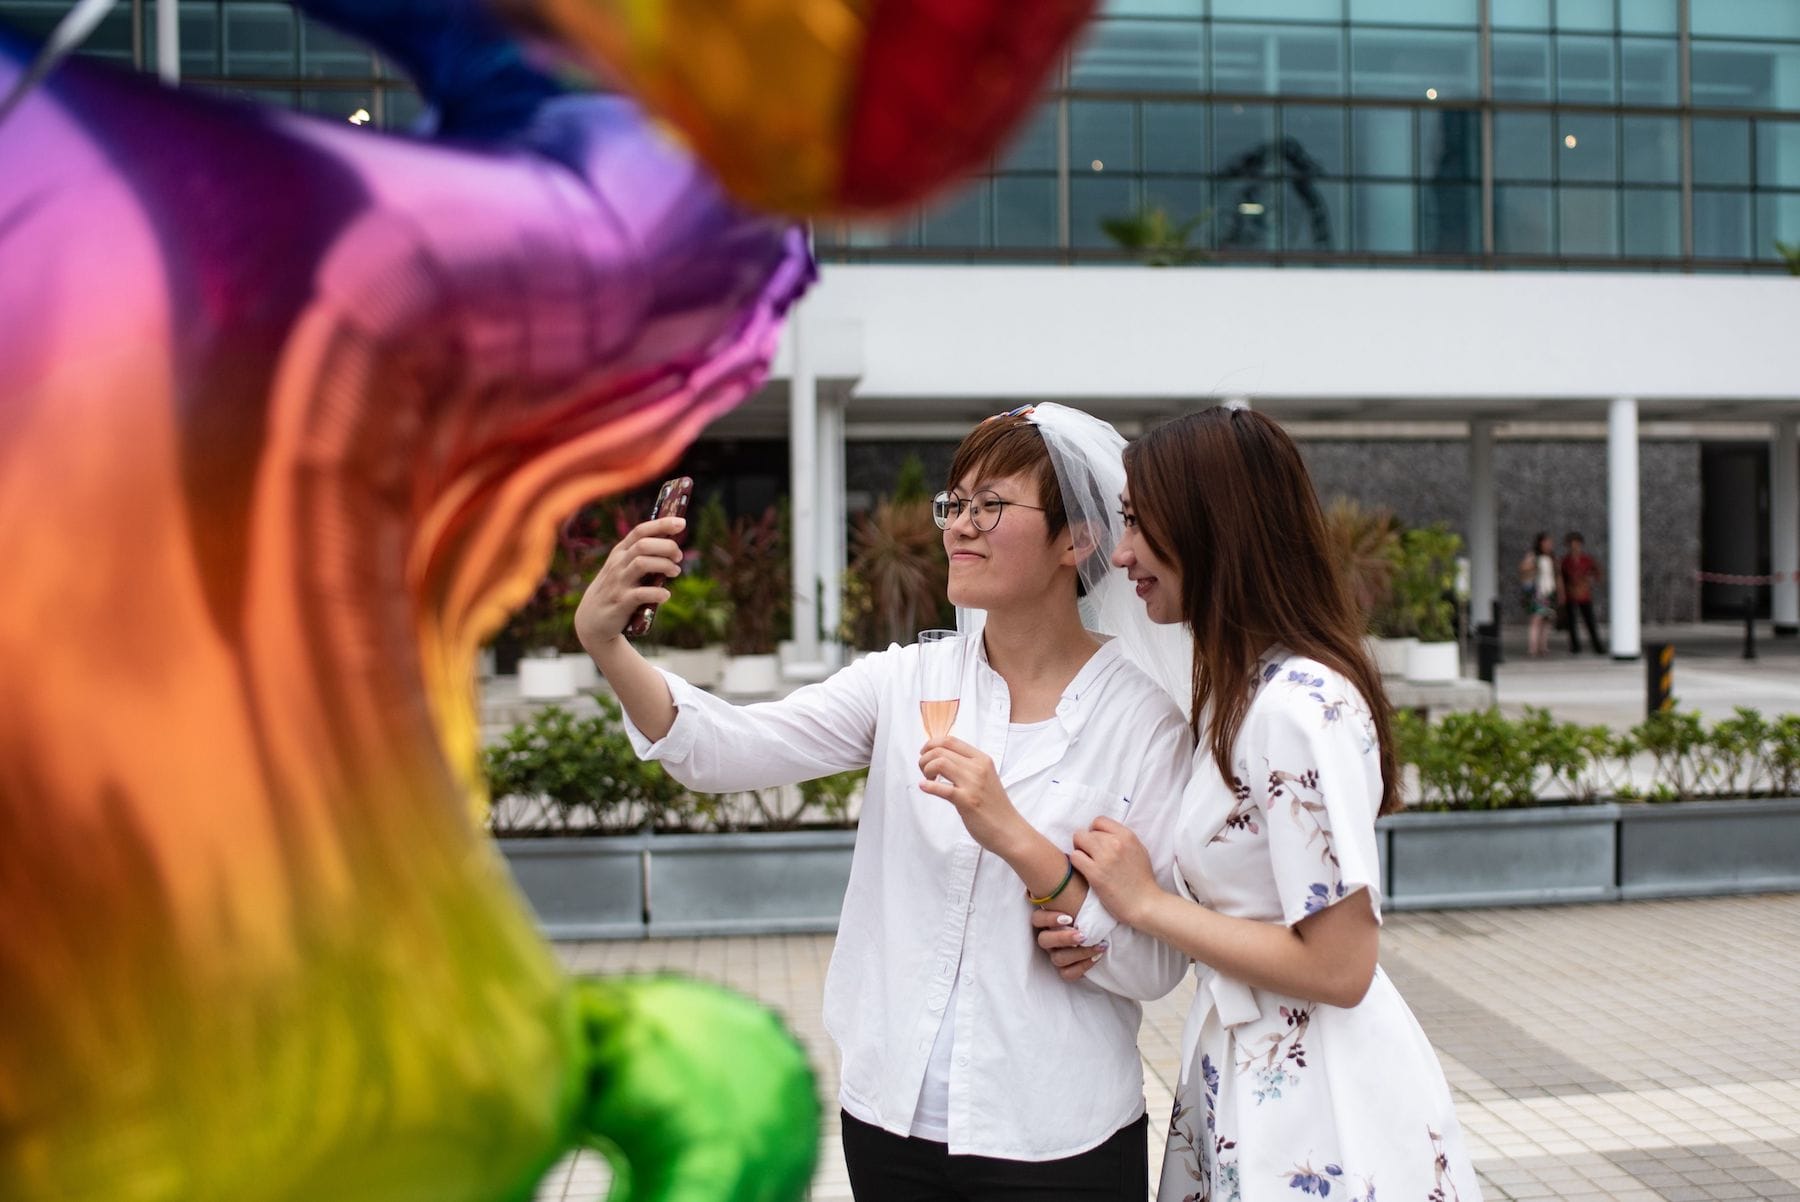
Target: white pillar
{"points": [[832, 535], [803, 471], [1484, 522], [1784, 522], [168, 41], [1624, 566]]}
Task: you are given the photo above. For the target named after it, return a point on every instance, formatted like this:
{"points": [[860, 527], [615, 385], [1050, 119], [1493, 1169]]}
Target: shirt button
{"points": [[963, 1061], [968, 978]]}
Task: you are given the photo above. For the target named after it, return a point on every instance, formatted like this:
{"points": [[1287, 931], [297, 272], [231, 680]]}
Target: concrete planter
{"points": [[1390, 654], [751, 676], [1709, 847], [627, 887], [546, 677], [703, 667], [766, 882], [582, 888], [1433, 662], [1501, 857]]}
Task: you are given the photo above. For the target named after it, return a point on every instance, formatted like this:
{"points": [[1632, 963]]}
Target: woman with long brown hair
{"points": [[1303, 1072]]}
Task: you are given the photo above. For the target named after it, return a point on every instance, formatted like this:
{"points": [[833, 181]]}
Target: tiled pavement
{"points": [[1648, 1050]]}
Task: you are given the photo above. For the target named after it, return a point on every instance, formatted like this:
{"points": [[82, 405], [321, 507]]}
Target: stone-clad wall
{"points": [[1550, 486]]}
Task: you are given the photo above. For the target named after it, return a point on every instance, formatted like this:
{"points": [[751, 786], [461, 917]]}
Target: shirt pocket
{"points": [[1071, 806]]}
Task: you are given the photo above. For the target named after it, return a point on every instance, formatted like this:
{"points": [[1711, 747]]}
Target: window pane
{"points": [[1244, 140], [199, 40], [1405, 62], [1522, 143], [1777, 220], [1174, 137], [327, 54], [1585, 14], [1317, 133], [1745, 18], [961, 219], [1296, 59], [1648, 16], [1450, 219], [1101, 136], [1093, 199], [1312, 216], [1590, 221], [1522, 221], [1721, 151], [1778, 154], [1746, 74], [1521, 66], [1155, 8], [1411, 12], [1150, 56], [1521, 14], [401, 109], [1382, 141], [1249, 214], [1278, 10], [260, 39], [1584, 69], [1449, 144], [1586, 148], [1653, 223], [1721, 225], [1024, 211], [1034, 147], [1183, 200], [1652, 147], [1648, 71], [1384, 217]]}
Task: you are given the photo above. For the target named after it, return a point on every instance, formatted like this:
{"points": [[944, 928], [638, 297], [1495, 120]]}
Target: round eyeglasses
{"points": [[985, 509]]}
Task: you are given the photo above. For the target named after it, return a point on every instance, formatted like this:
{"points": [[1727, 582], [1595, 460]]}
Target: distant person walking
{"points": [[1579, 576], [1537, 583]]}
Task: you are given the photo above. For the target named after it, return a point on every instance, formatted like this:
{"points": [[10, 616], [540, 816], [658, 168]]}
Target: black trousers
{"points": [[897, 1168], [1585, 611]]}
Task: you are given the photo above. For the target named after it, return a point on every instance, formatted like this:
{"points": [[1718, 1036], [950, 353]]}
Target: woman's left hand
{"points": [[972, 784], [1116, 866]]}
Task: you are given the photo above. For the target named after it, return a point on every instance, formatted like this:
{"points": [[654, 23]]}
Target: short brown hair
{"points": [[1012, 445]]}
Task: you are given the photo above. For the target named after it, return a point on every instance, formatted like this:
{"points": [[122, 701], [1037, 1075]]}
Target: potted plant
{"points": [[898, 574], [691, 628], [1365, 547], [750, 562], [1425, 588], [553, 665]]}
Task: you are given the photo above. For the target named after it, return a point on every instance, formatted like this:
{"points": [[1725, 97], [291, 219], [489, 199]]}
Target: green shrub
{"points": [[582, 771], [1678, 743]]}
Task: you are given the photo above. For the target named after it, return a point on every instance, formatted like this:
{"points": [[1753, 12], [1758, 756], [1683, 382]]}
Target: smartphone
{"points": [[671, 502]]}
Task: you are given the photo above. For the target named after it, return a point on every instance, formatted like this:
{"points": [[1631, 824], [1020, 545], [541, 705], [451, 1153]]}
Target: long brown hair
{"points": [[1224, 495]]}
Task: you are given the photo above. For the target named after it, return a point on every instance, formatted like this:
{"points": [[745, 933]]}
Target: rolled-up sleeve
{"points": [[717, 747], [1137, 965]]}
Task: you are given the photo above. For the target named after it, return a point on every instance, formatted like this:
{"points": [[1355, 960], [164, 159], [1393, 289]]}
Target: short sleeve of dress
{"points": [[1315, 771]]}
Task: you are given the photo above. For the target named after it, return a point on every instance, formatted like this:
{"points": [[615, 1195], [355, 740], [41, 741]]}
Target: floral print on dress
{"points": [[1301, 1101]]}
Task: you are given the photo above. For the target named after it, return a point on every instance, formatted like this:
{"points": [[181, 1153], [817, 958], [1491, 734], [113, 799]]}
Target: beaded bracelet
{"points": [[1056, 892]]}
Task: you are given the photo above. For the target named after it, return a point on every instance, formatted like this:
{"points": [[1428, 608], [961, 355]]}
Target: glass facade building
{"points": [[1606, 134], [1643, 134]]}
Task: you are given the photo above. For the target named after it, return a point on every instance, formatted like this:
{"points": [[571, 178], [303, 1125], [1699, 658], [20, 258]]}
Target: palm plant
{"points": [[1790, 254], [899, 571], [1365, 544], [1162, 241]]}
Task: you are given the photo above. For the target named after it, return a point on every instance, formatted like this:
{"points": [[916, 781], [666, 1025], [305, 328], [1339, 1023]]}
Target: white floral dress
{"points": [[1281, 1098]]}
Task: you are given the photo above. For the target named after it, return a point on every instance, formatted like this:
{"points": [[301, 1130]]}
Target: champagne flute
{"points": [[940, 680]]}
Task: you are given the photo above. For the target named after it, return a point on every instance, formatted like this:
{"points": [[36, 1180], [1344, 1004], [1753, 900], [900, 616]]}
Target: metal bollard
{"points": [[1487, 650], [1659, 667], [1750, 624]]}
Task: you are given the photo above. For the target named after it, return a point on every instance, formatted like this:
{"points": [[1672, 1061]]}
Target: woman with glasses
{"points": [[969, 1070]]}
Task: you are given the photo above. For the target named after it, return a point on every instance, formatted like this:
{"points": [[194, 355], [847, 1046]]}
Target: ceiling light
{"points": [[360, 117], [1569, 141], [1431, 93], [1251, 208]]}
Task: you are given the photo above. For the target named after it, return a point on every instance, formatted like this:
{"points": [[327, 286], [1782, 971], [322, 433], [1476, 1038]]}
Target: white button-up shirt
{"points": [[1043, 1068]]}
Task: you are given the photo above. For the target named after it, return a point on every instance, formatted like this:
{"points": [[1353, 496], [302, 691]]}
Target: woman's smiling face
{"points": [[1158, 582], [1011, 564]]}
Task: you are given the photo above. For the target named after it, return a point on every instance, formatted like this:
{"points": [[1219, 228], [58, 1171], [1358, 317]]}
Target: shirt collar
{"points": [[1077, 702]]}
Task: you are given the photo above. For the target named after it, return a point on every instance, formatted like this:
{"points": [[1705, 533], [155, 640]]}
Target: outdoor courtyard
{"points": [[1638, 1051]]}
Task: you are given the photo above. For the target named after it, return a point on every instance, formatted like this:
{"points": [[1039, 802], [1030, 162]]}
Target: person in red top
{"points": [[1579, 576]]}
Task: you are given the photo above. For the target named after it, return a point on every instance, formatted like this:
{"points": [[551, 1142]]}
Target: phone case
{"points": [[671, 501]]}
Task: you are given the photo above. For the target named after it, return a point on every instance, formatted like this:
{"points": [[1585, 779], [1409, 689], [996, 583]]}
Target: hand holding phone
{"points": [[671, 502]]}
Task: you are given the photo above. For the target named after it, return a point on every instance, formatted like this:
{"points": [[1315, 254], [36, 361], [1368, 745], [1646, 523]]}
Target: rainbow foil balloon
{"points": [[289, 411]]}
